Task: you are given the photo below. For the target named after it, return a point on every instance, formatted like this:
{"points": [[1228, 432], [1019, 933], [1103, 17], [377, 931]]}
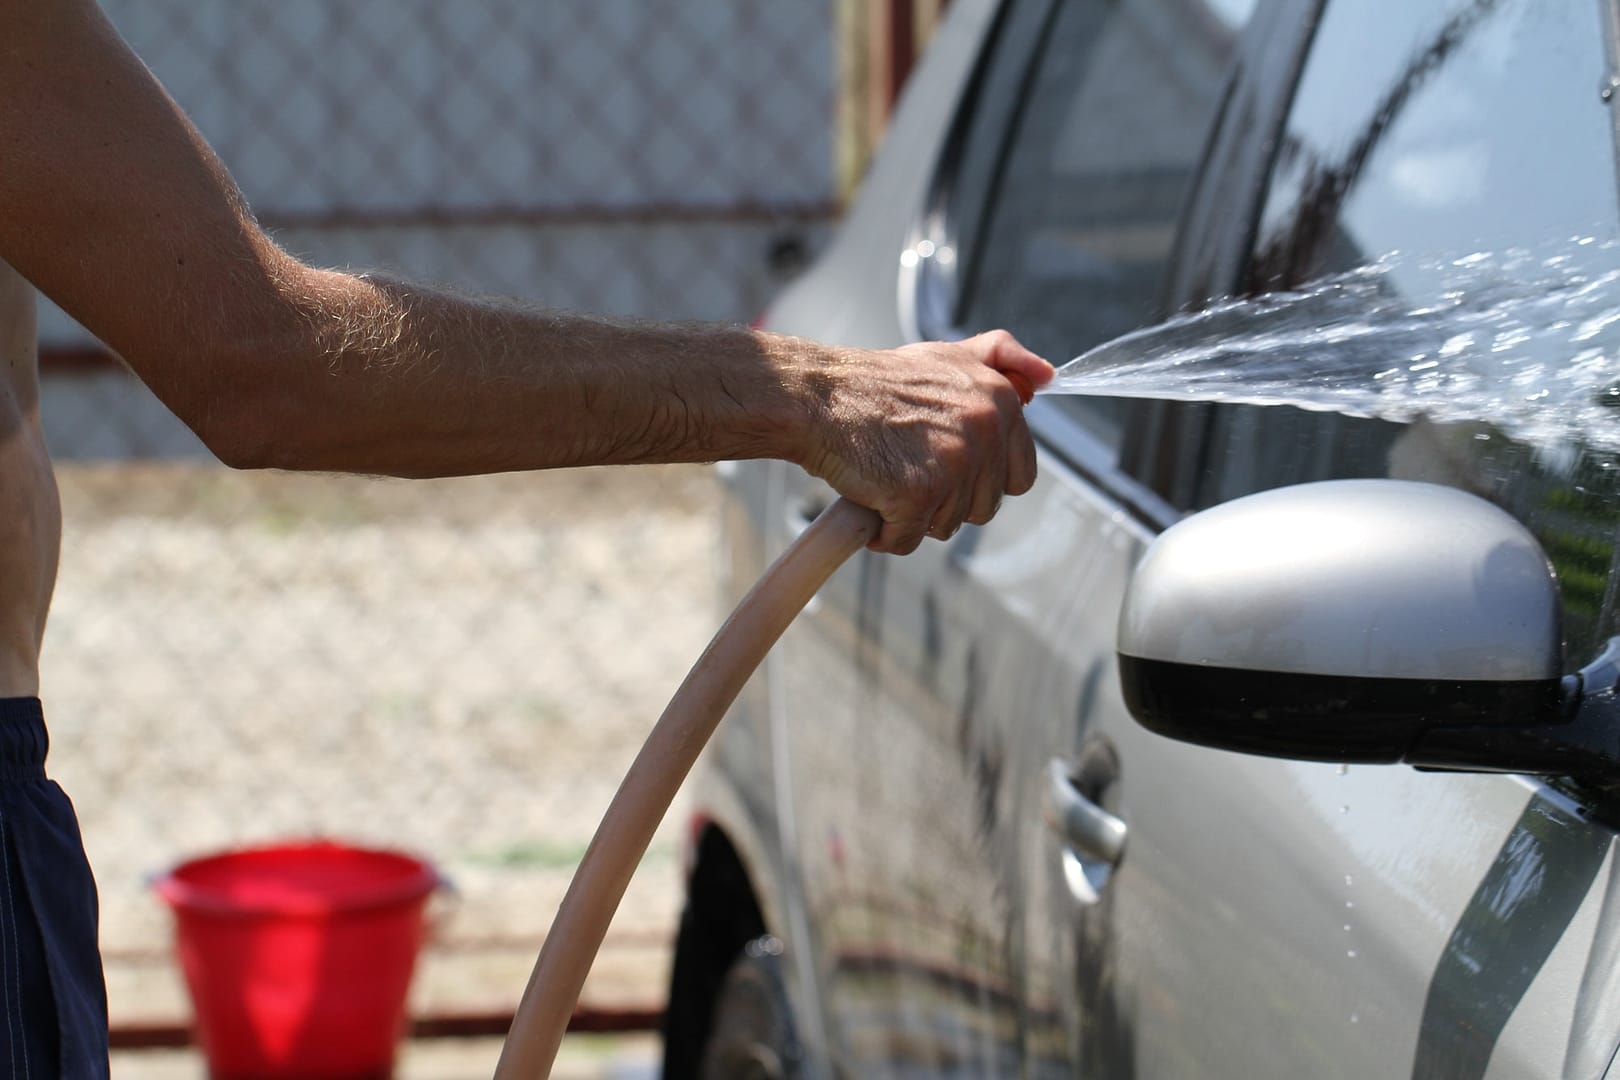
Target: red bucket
{"points": [[298, 957]]}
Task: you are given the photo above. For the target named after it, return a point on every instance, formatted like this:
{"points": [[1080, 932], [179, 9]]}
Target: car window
{"points": [[1075, 166], [1441, 132]]}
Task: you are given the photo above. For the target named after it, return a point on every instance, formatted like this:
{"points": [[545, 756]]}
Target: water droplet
{"points": [[1348, 880], [1344, 769], [1347, 928], [1350, 953], [1344, 809], [1346, 344], [908, 258], [1355, 1018], [1349, 904], [925, 249]]}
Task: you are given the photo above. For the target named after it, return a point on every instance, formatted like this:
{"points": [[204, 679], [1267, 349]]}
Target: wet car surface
{"points": [[881, 860]]}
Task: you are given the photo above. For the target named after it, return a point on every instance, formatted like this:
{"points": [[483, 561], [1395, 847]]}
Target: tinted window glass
{"points": [[1442, 133], [1066, 231], [1462, 127]]}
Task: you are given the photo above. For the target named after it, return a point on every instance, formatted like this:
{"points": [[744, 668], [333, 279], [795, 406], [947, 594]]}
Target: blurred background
{"points": [[460, 669]]}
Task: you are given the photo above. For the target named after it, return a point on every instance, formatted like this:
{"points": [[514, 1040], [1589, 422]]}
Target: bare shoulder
{"points": [[111, 202], [27, 24], [18, 355], [61, 45]]}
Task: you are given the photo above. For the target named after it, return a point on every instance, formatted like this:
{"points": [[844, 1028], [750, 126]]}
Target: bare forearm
{"points": [[371, 375], [114, 206]]}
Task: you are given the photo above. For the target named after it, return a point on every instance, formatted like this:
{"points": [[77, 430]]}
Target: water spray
{"points": [[1528, 341]]}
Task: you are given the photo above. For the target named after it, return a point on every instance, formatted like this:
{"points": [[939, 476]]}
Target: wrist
{"points": [[804, 375]]}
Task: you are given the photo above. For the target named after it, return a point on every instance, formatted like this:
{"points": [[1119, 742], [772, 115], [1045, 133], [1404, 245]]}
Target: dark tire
{"points": [[752, 1036]]}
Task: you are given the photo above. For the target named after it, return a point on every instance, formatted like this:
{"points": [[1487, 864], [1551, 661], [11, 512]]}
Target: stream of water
{"points": [[1526, 341]]}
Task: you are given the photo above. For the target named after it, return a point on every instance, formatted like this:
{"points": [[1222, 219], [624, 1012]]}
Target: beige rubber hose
{"points": [[656, 774]]}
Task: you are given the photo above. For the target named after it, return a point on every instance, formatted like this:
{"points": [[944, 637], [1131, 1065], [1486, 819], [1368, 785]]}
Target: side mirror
{"points": [[1359, 621]]}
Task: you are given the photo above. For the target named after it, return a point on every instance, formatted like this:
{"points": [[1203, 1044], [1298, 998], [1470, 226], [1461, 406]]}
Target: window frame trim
{"points": [[928, 291], [1211, 254]]}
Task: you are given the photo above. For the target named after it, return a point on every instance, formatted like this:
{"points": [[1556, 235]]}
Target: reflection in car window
{"points": [[1065, 236], [1480, 129], [1443, 131]]}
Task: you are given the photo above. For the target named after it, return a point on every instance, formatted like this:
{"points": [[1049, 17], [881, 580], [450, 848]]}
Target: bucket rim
{"points": [[188, 898]]}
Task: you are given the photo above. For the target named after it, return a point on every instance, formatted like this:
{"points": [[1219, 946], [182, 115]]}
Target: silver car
{"points": [[932, 839]]}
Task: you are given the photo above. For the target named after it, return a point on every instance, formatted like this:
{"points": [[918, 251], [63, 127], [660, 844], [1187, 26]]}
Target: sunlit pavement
{"points": [[583, 1057]]}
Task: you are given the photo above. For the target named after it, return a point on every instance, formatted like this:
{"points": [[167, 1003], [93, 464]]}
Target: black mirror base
{"points": [[1491, 725]]}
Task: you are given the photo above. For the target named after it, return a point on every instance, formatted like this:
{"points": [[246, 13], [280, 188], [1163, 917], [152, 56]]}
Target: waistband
{"points": [[23, 741]]}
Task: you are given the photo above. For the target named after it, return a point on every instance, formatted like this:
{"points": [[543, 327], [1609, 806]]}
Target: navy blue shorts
{"points": [[52, 994]]}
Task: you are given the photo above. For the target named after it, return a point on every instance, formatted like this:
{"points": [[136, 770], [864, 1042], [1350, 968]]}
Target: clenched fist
{"points": [[928, 435]]}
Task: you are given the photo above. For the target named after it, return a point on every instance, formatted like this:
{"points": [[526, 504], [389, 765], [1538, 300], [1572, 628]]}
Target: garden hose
{"points": [[656, 774]]}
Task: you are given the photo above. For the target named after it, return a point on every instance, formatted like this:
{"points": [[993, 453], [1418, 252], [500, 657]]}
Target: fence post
{"points": [[878, 44]]}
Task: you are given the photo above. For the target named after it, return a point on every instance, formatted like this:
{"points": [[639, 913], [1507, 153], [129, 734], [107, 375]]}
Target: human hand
{"points": [[928, 435]]}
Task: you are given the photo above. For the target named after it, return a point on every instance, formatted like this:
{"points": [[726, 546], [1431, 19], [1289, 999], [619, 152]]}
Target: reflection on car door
{"points": [[1291, 919], [968, 673]]}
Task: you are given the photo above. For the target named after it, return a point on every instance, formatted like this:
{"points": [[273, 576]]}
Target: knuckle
{"points": [[1025, 480], [985, 507], [952, 459]]}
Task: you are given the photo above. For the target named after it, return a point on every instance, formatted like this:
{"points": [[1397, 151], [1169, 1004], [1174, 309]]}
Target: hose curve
{"points": [[656, 775]]}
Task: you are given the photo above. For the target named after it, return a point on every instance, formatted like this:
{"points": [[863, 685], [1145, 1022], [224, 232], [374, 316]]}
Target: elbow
{"points": [[258, 389], [235, 434], [238, 422], [236, 449], [241, 396]]}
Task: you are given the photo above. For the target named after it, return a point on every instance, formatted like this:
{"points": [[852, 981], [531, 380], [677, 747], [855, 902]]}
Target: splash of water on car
{"points": [[1526, 341]]}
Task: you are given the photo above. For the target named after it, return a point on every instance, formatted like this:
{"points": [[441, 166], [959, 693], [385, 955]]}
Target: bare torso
{"points": [[30, 513]]}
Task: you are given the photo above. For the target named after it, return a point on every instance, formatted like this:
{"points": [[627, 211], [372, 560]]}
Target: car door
{"points": [[965, 678], [1277, 918]]}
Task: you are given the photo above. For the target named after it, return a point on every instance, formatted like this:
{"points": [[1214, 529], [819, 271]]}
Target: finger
{"points": [[1021, 456], [987, 493], [1022, 384], [987, 490], [948, 518], [1026, 366], [953, 507], [992, 476], [900, 537], [1008, 356]]}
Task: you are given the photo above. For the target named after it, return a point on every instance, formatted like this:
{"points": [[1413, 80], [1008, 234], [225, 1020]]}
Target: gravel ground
{"points": [[582, 1057], [462, 669]]}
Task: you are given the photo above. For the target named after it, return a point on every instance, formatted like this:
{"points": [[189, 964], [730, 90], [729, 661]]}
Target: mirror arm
{"points": [[1584, 742]]}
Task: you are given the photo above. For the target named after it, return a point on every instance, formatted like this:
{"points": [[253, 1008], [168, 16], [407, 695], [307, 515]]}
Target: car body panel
{"points": [[1268, 917]]}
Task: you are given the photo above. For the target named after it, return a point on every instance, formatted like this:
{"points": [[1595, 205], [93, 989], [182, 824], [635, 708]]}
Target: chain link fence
{"points": [[462, 668]]}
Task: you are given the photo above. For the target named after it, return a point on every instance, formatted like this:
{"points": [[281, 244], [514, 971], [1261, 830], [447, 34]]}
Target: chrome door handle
{"points": [[1092, 831]]}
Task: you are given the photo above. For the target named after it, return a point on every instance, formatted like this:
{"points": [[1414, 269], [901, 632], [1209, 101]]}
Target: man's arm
{"points": [[113, 205]]}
